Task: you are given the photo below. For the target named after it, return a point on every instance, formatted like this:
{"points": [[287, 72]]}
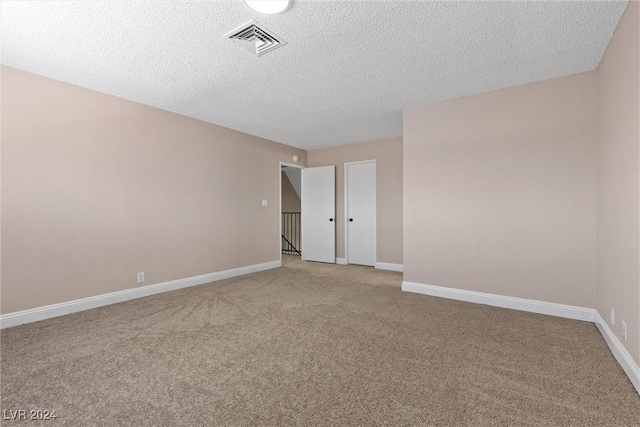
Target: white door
{"points": [[360, 191], [318, 212]]}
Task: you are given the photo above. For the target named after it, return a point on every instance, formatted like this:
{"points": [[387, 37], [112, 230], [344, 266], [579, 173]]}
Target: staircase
{"points": [[291, 233]]}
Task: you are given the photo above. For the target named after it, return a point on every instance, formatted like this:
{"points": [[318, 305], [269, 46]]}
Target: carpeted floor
{"points": [[311, 344]]}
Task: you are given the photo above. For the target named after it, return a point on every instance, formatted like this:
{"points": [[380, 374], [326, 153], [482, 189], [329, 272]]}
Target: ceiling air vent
{"points": [[255, 37]]}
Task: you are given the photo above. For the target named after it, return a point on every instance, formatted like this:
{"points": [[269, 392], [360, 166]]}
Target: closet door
{"points": [[360, 197], [318, 207]]}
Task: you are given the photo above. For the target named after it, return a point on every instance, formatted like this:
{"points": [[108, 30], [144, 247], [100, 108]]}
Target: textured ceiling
{"points": [[346, 73]]}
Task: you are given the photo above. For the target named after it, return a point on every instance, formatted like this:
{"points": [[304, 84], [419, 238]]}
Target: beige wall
{"points": [[618, 227], [499, 192], [388, 156], [290, 199], [97, 188]]}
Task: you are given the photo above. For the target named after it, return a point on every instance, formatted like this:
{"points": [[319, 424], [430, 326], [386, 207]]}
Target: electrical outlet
{"points": [[612, 316], [624, 330], [140, 277], [265, 203]]}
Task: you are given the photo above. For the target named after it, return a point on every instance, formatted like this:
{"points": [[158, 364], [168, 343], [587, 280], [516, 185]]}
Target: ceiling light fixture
{"points": [[268, 7]]}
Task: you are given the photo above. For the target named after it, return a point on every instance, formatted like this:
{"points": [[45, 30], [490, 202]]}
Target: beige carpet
{"points": [[311, 345]]}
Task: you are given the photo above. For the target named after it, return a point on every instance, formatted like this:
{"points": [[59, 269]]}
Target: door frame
{"points": [[346, 209], [293, 165]]}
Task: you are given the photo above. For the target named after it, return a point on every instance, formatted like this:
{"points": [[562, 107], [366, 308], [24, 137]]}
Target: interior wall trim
{"points": [[46, 312], [534, 306], [622, 356], [389, 266]]}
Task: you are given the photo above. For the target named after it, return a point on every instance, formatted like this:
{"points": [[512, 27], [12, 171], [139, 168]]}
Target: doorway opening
{"points": [[290, 210]]}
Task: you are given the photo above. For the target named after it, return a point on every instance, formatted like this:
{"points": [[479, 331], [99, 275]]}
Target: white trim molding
{"points": [[389, 266], [41, 313], [533, 306], [620, 353], [629, 366], [341, 261]]}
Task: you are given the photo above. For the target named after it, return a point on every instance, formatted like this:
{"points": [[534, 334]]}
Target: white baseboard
{"points": [[552, 309], [629, 366], [41, 313], [389, 266], [378, 265], [620, 353]]}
